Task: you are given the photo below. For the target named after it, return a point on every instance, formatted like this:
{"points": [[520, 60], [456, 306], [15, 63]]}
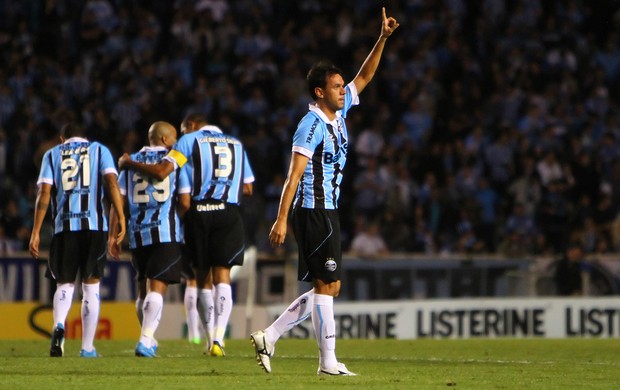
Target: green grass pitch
{"points": [[381, 364]]}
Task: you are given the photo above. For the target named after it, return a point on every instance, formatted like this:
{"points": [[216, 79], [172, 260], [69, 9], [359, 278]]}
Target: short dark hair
{"points": [[194, 117], [71, 129], [318, 74]]}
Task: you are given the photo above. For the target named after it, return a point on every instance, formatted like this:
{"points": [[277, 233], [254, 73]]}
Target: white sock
{"points": [[223, 308], [90, 314], [139, 304], [325, 329], [295, 313], [62, 302], [191, 312], [153, 304], [206, 303]]}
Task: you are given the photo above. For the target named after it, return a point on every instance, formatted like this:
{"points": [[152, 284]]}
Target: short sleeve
{"points": [[248, 174], [46, 175], [308, 135]]}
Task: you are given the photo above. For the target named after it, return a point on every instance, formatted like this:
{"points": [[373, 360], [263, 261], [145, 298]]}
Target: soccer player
{"points": [[155, 208], [319, 153], [195, 295], [218, 169], [78, 177]]}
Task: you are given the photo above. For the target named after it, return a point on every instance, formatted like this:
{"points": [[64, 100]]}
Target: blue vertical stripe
{"points": [[217, 165], [152, 203]]}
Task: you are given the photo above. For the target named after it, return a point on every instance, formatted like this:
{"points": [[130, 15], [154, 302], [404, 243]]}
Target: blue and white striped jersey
{"points": [[325, 143], [75, 170], [217, 164], [153, 217]]}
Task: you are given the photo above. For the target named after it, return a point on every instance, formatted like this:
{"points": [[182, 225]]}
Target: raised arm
{"points": [[40, 209], [369, 67], [158, 171], [296, 170]]}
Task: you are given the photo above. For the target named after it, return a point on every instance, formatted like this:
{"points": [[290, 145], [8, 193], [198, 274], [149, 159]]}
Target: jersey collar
{"points": [[211, 128], [75, 139], [313, 107], [152, 148]]}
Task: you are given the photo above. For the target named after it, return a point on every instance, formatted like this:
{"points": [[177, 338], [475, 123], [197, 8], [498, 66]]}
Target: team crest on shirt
{"points": [[330, 264]]}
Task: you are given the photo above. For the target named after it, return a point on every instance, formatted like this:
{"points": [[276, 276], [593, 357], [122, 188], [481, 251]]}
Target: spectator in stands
{"points": [[545, 85], [368, 243], [568, 271]]}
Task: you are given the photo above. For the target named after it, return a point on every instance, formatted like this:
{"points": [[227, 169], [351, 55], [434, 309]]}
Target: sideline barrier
{"points": [[439, 319]]}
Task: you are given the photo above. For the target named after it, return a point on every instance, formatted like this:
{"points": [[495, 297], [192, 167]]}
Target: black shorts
{"points": [[187, 270], [158, 262], [318, 240], [74, 254], [214, 235]]}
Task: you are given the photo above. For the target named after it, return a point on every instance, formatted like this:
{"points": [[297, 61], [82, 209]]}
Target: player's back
{"points": [[75, 169], [218, 166], [152, 203]]}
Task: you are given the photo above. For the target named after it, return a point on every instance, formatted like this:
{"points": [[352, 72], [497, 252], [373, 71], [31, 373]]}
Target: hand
{"points": [[388, 26], [34, 246], [277, 233], [114, 249], [123, 160]]}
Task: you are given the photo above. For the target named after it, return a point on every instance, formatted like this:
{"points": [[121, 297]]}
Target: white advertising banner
{"points": [[468, 318]]}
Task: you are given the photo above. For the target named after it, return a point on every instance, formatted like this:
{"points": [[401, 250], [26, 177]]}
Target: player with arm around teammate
{"points": [[155, 231], [312, 187], [219, 173], [76, 177]]}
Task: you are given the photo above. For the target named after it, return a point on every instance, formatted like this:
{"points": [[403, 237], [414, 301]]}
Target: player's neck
{"points": [[329, 113]]}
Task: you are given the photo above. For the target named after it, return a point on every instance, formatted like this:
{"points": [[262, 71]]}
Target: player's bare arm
{"points": [[369, 67], [114, 247], [248, 189], [157, 171], [114, 194], [40, 209], [296, 170], [183, 204]]}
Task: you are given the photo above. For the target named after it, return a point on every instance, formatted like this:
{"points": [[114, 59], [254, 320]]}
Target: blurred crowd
{"points": [[491, 126]]}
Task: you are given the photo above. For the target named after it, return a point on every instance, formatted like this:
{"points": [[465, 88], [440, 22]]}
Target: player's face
{"points": [[333, 94]]}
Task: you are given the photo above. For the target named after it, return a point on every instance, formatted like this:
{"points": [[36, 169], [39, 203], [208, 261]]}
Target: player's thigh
{"points": [[139, 260], [227, 238], [195, 231], [165, 262], [318, 238], [64, 257], [94, 246]]}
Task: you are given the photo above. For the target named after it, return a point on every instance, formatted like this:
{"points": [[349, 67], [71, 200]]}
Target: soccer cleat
{"points": [[264, 349], [58, 341], [340, 369], [89, 354], [143, 351], [217, 350], [195, 340]]}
